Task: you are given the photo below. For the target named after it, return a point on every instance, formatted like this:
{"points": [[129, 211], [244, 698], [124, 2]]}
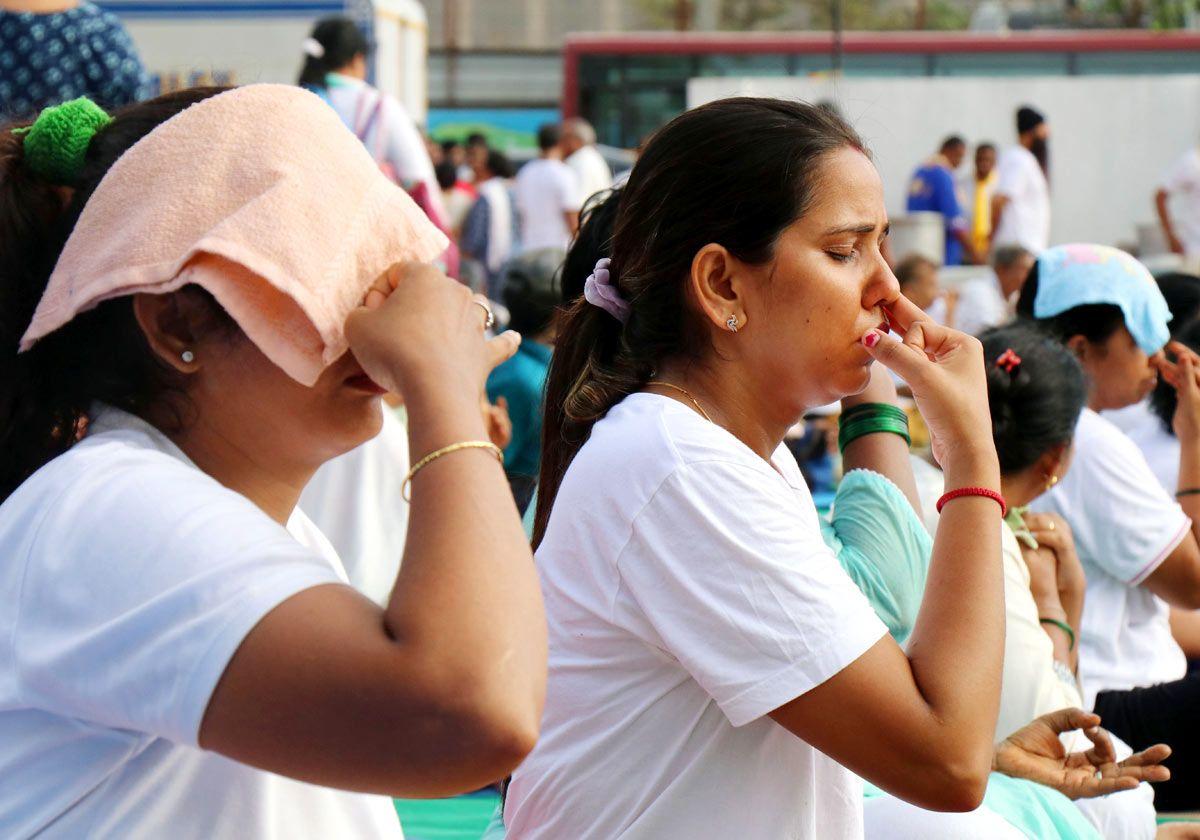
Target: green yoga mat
{"points": [[457, 818]]}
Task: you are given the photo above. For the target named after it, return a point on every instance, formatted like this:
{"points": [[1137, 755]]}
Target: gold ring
{"points": [[490, 319]]}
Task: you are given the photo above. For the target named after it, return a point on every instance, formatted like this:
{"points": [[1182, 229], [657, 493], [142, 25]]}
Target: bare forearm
{"points": [[960, 629], [968, 245], [998, 204], [1189, 479], [467, 595], [884, 452], [1063, 649], [1164, 213]]}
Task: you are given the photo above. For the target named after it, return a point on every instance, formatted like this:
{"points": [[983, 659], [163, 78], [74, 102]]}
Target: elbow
{"points": [[952, 792], [502, 740], [956, 785], [474, 726], [465, 750], [962, 793]]}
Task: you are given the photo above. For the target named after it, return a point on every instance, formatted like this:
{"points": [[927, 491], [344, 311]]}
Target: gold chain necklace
{"points": [[686, 393]]}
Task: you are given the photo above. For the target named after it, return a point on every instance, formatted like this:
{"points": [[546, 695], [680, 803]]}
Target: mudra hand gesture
{"points": [[1035, 752]]}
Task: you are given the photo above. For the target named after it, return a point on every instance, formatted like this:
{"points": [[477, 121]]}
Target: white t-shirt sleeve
{"points": [[1183, 176], [1122, 518], [138, 592], [1011, 174], [734, 578], [569, 198]]}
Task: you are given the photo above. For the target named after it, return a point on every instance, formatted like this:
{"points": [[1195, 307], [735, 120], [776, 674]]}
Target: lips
{"points": [[362, 382]]}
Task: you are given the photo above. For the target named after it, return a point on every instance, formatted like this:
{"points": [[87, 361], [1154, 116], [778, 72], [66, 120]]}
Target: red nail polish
{"points": [[871, 338]]}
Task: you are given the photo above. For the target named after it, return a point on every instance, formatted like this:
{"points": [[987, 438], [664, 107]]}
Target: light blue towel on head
{"points": [[1076, 275]]}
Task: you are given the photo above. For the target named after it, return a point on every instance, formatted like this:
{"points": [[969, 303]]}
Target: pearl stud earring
{"points": [[188, 357]]}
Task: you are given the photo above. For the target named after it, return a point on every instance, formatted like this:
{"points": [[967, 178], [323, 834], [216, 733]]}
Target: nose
{"points": [[883, 288]]}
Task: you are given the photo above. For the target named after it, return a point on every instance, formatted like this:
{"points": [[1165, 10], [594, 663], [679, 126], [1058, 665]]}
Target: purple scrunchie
{"points": [[599, 290]]}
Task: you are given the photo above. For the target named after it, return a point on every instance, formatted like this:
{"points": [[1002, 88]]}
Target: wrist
{"points": [[443, 413], [971, 466], [1049, 606]]}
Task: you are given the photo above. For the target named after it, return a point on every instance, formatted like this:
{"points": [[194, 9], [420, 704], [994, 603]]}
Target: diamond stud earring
{"points": [[732, 323], [188, 357]]}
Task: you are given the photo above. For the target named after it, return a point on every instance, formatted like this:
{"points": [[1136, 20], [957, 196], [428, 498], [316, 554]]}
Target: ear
{"points": [[169, 330], [717, 285], [1080, 347], [1054, 462]]}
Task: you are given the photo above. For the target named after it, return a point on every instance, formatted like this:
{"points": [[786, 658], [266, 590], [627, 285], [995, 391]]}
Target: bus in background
{"points": [[184, 43], [629, 84]]}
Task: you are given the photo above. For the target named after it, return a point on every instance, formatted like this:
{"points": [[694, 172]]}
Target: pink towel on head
{"points": [[259, 195]]}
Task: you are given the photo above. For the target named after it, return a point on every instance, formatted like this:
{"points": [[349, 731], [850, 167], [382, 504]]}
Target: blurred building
{"points": [[507, 65]]}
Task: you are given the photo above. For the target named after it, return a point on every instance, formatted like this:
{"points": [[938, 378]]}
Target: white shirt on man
{"points": [[1125, 525], [688, 594], [1025, 219], [130, 579], [591, 170], [546, 190], [1182, 182], [981, 305]]}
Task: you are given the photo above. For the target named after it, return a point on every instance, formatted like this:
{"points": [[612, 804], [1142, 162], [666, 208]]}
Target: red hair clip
{"points": [[1008, 360]]}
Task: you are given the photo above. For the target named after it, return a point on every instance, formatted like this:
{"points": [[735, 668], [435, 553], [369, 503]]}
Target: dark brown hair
{"points": [[101, 355], [736, 172], [341, 40]]}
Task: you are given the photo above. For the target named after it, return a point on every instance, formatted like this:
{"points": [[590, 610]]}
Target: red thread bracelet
{"points": [[974, 491]]}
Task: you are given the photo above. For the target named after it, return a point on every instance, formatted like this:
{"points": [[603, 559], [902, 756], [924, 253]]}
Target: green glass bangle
{"points": [[859, 427], [872, 409], [1063, 626], [866, 425]]}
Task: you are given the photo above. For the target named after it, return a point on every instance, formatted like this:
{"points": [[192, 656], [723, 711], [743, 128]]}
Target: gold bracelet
{"points": [[446, 450]]}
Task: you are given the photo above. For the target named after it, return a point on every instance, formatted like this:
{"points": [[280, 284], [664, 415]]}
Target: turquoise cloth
{"points": [[522, 382], [1037, 811], [530, 513], [1074, 275], [882, 545]]}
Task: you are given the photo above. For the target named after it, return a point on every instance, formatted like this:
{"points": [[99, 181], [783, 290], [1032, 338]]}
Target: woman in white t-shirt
{"points": [[713, 671], [1138, 546], [1036, 391], [180, 654]]}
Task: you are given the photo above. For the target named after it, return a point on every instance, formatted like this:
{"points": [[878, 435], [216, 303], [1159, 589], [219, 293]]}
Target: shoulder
{"points": [[103, 16], [1099, 433], [1108, 465], [1015, 159], [649, 445], [943, 177], [111, 497]]}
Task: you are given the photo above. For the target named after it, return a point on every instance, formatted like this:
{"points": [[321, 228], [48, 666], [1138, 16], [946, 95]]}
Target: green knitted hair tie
{"points": [[56, 144]]}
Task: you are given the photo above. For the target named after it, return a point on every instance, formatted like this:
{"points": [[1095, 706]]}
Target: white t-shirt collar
{"points": [[103, 417], [721, 430]]}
